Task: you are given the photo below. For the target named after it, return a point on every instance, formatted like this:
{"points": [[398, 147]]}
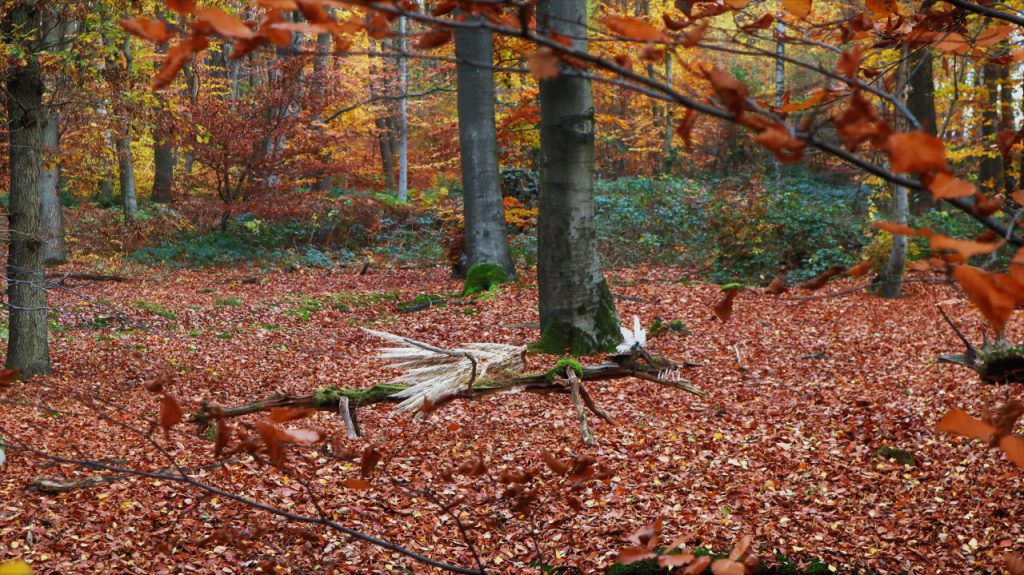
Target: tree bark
{"points": [[163, 149], [577, 312], [55, 249], [403, 114], [320, 64], [1007, 122], [486, 238], [890, 282], [125, 162], [27, 347], [990, 172], [921, 103]]}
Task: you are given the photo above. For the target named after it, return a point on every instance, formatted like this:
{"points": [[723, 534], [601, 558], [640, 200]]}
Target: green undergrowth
{"points": [[155, 308], [782, 565]]}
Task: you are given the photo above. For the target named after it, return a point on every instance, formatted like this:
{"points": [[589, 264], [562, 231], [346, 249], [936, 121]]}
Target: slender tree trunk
{"points": [[403, 114], [125, 162], [780, 85], [27, 347], [667, 154], [55, 249], [163, 149], [990, 171], [486, 238], [889, 283], [576, 308], [1007, 122], [320, 64], [921, 103]]}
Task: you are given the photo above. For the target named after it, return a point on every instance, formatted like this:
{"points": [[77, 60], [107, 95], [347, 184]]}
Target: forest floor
{"points": [[782, 447]]}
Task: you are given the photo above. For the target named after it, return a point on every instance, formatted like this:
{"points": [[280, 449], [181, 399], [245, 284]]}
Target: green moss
{"points": [[901, 456], [155, 308], [330, 395], [227, 302], [561, 365], [559, 336], [422, 301], [645, 567], [483, 277]]}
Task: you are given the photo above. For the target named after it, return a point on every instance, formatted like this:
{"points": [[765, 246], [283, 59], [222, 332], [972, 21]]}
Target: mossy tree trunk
{"points": [[486, 238], [577, 313]]}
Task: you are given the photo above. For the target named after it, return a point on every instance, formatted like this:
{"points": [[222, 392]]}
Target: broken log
{"points": [[328, 398]]}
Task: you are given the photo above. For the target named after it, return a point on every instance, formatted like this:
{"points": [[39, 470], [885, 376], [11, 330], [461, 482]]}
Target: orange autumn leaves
{"points": [[995, 294], [994, 429]]}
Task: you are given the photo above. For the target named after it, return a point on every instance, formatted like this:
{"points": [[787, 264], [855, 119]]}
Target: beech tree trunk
{"points": [[125, 162], [27, 346], [486, 239], [163, 149], [320, 65], [889, 283], [576, 308], [921, 103], [55, 249], [990, 172], [403, 115]]}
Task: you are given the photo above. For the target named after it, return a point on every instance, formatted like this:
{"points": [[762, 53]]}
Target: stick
{"points": [[349, 415], [739, 358], [594, 407], [581, 413], [971, 352]]}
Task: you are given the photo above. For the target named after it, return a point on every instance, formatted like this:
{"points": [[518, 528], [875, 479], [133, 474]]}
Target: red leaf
{"points": [[171, 413], [269, 434], [860, 269], [371, 457], [915, 152], [728, 567], [227, 24], [798, 8], [183, 7], [557, 466], [152, 30], [222, 437], [7, 376], [762, 23], [646, 536], [286, 414], [944, 186], [966, 248], [632, 28], [356, 484], [723, 309], [959, 422], [822, 278], [633, 554], [778, 285], [433, 39], [994, 303]]}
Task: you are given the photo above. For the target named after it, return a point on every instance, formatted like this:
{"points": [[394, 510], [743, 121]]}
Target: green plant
{"points": [[229, 301], [155, 308]]}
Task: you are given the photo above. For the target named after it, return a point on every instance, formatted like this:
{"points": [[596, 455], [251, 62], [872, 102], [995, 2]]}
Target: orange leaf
{"points": [[993, 35], [227, 24], [176, 58], [306, 436], [822, 278], [677, 560], [728, 567], [632, 28], [444, 8], [684, 127], [222, 437], [543, 64], [1014, 563], [958, 422], [944, 186], [269, 433], [901, 229], [778, 285], [729, 90], [1013, 447], [860, 269], [152, 30], [170, 412], [954, 43], [433, 39], [673, 24], [694, 36], [183, 7], [916, 152], [723, 309], [762, 23], [698, 566], [371, 457], [633, 554], [995, 304], [286, 414], [8, 375], [647, 536], [966, 248], [356, 483], [799, 8], [849, 63], [557, 466]]}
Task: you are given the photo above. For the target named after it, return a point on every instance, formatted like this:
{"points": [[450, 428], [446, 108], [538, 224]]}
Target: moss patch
{"points": [[901, 456], [560, 336], [330, 395], [483, 277], [561, 365]]}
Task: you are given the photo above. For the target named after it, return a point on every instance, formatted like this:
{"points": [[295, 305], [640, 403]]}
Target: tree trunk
{"points": [[990, 173], [486, 239], [55, 249], [163, 149], [125, 162], [667, 153], [1007, 122], [576, 308], [780, 85], [320, 64], [889, 283], [27, 347], [403, 114], [921, 103]]}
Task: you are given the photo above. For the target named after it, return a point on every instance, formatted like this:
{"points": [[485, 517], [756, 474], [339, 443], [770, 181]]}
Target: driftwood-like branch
{"points": [[574, 389], [328, 398]]}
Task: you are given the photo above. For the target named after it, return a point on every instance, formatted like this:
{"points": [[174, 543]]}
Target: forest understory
{"points": [[815, 434]]}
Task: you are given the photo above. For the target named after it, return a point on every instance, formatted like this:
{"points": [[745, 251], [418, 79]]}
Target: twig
{"points": [[349, 415], [594, 407], [971, 352], [581, 412], [739, 358]]}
